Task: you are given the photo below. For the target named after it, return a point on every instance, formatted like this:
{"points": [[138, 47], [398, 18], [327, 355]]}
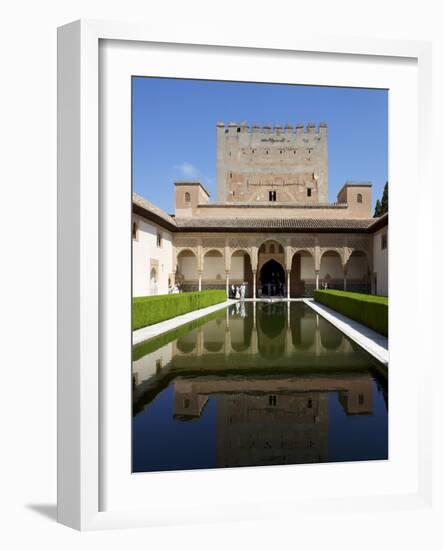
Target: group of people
{"points": [[238, 292]]}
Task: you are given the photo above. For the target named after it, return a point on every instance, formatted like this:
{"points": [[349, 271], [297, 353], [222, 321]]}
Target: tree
{"points": [[382, 207]]}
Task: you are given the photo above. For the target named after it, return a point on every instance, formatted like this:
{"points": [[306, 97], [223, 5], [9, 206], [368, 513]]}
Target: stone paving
{"points": [[374, 343]]}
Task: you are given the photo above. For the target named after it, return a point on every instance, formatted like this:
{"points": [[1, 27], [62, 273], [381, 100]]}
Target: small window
{"points": [[384, 241], [271, 249], [134, 231], [359, 198], [272, 400], [230, 175], [280, 249], [272, 196], [361, 399], [187, 197], [159, 239], [309, 192]]}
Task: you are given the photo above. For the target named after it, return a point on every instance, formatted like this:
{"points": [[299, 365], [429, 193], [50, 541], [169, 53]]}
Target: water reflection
{"points": [[261, 383]]}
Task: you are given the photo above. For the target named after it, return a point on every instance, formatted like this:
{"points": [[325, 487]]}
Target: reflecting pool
{"points": [[258, 383]]}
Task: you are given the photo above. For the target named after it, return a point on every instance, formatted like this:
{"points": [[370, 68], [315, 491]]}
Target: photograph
{"points": [[259, 274]]}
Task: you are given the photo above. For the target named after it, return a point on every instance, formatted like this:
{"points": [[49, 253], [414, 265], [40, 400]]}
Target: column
{"points": [[254, 287], [200, 273], [345, 273], [227, 285], [288, 284], [317, 273]]}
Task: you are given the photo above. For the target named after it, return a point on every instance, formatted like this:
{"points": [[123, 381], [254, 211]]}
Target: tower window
{"points": [[309, 192], [159, 239], [272, 196], [359, 198], [187, 197]]}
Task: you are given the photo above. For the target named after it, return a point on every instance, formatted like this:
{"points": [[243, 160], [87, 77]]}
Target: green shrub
{"points": [[148, 310], [367, 309]]}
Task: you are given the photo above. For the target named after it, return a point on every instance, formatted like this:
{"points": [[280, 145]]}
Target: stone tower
{"points": [[264, 164]]}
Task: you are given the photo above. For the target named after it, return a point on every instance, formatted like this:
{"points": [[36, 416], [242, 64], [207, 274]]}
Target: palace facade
{"points": [[271, 226]]}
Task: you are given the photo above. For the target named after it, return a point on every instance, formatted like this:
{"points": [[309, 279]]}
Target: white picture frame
{"points": [[82, 399]]}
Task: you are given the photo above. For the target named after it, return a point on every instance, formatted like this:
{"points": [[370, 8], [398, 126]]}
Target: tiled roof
{"points": [[150, 211], [147, 206], [248, 224]]}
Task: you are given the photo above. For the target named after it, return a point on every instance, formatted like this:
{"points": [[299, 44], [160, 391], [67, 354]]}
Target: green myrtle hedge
{"points": [[148, 310], [367, 309]]}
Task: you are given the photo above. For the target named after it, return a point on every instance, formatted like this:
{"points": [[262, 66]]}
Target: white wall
{"points": [[237, 267], [331, 265], [213, 266], [307, 268], [381, 262], [145, 255], [188, 267], [357, 267]]}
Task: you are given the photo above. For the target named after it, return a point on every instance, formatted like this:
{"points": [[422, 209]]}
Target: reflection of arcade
{"points": [[272, 420], [280, 330]]}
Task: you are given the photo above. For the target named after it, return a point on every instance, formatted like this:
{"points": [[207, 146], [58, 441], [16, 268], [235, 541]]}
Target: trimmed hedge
{"points": [[368, 309], [148, 310]]}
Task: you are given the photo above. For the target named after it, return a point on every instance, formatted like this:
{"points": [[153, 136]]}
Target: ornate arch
{"points": [[335, 249], [348, 251]]}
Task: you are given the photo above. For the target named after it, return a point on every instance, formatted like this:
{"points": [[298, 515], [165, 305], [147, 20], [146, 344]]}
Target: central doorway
{"points": [[272, 279]]}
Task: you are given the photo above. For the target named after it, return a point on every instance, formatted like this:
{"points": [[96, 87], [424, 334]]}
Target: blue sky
{"points": [[174, 129]]}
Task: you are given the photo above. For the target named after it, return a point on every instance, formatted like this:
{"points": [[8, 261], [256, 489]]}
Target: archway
{"points": [[331, 270], [302, 274], [241, 272], [272, 279], [187, 275], [357, 272], [213, 275]]}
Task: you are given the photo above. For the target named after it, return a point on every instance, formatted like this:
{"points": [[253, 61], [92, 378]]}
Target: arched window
{"points": [[134, 230], [359, 197], [187, 197]]}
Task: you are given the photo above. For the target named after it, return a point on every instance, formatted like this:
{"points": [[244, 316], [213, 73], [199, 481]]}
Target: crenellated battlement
{"points": [[272, 162], [234, 128]]}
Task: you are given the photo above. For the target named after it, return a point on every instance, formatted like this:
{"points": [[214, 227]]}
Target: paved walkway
{"points": [[374, 343], [145, 333]]}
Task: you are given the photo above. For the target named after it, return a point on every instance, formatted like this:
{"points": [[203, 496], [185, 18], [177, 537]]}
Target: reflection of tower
{"points": [[357, 399], [271, 428], [188, 405]]}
